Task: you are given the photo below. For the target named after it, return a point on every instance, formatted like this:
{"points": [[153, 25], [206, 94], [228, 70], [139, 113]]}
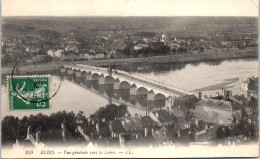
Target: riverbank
{"points": [[180, 58], [30, 69]]}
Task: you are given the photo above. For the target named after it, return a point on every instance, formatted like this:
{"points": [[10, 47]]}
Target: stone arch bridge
{"points": [[123, 86]]}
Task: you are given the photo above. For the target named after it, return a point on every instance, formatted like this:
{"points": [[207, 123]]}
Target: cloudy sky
{"points": [[129, 8]]}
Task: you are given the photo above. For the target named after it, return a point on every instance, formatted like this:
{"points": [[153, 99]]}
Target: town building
{"points": [[250, 87]]}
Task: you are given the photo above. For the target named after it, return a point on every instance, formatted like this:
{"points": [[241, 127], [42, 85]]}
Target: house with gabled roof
{"points": [[163, 117]]}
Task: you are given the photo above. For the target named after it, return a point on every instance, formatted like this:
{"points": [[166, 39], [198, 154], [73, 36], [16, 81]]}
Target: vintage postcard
{"points": [[129, 78]]}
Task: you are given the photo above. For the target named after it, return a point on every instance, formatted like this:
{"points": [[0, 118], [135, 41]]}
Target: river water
{"points": [[73, 97]]}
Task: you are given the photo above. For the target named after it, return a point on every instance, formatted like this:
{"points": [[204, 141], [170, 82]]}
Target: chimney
{"points": [[152, 132], [93, 122], [97, 127], [121, 141], [197, 121], [179, 134], [63, 132], [230, 93], [112, 134], [200, 95], [37, 136], [206, 125], [103, 120], [111, 129], [145, 132], [136, 136], [157, 115], [28, 132]]}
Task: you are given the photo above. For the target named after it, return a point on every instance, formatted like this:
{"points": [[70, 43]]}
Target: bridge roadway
{"points": [[159, 87]]}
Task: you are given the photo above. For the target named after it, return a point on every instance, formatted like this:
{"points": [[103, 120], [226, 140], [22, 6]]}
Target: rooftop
{"points": [[216, 104], [164, 116], [177, 112]]}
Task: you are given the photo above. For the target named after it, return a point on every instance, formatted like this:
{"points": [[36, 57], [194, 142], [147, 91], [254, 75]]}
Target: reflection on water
{"points": [[73, 97], [164, 67], [199, 75]]}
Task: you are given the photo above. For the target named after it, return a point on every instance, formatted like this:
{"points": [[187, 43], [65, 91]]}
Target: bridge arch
{"points": [[159, 100], [107, 86], [109, 80], [78, 76], [67, 70], [83, 73], [159, 96], [94, 81], [69, 73], [124, 85], [95, 76], [142, 90], [124, 91], [83, 77], [142, 96]]}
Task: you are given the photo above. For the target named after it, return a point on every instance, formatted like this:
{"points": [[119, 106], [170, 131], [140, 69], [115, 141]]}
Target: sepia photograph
{"points": [[129, 78]]}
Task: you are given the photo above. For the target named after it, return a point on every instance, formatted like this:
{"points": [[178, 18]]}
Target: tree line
{"points": [[14, 128]]}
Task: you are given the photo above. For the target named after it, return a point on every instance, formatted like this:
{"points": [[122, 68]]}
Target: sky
{"points": [[129, 8]]}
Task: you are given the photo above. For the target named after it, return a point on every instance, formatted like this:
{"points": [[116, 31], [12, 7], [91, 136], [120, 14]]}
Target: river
{"points": [[72, 97]]}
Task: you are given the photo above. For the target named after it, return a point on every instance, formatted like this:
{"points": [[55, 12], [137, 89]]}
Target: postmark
{"points": [[28, 92]]}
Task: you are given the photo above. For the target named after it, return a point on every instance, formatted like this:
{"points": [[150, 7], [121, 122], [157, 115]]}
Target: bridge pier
{"points": [[83, 77], [133, 94], [88, 78], [116, 87], [101, 83], [150, 100], [62, 71], [70, 74], [169, 102], [78, 76], [74, 74], [109, 86]]}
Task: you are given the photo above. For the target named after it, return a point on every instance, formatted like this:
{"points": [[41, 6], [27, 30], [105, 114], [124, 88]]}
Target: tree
{"points": [[110, 112], [220, 132], [9, 129]]}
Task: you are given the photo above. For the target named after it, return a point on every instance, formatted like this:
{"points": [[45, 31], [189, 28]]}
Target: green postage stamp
{"points": [[28, 92]]}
